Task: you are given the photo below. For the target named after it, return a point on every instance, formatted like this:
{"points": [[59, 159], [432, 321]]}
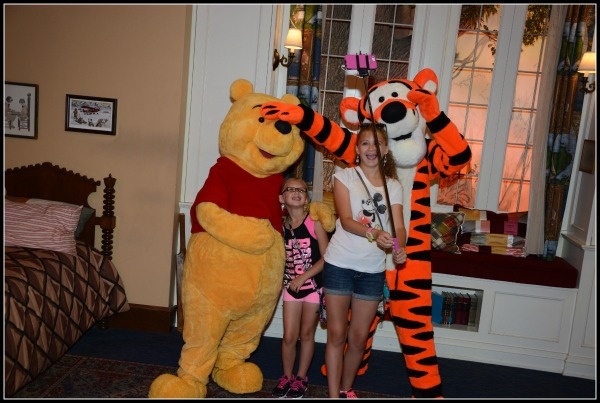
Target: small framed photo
{"points": [[20, 110], [91, 114]]}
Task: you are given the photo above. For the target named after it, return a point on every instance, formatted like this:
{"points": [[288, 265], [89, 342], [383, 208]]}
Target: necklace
{"points": [[370, 198]]}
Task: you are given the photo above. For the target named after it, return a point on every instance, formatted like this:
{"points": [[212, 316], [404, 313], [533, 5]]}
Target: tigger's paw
{"points": [[282, 111]]}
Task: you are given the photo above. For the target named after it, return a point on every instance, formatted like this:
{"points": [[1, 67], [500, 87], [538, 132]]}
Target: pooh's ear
{"points": [[240, 88], [290, 99]]}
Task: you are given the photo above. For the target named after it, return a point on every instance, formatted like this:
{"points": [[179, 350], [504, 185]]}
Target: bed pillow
{"points": [[444, 231], [486, 231], [86, 212], [43, 226]]}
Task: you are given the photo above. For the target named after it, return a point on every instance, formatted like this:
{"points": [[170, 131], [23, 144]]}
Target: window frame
{"points": [[432, 46]]}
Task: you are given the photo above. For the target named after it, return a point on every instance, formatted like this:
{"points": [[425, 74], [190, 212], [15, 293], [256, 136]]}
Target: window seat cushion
{"points": [[525, 270]]}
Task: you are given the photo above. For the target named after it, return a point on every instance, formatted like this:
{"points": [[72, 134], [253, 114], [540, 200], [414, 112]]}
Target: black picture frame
{"points": [[91, 114], [21, 121]]}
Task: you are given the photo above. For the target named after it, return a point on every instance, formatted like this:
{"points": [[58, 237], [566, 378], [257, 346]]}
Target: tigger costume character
{"points": [[420, 160]]}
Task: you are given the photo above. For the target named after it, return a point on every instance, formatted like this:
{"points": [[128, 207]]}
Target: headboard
{"points": [[51, 182]]}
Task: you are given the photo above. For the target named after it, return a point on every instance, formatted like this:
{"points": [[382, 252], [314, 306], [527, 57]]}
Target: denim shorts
{"points": [[339, 281]]}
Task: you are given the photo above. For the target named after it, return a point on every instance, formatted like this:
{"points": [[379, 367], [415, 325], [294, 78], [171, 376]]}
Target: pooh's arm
{"points": [[247, 234], [449, 151], [322, 212], [321, 130]]}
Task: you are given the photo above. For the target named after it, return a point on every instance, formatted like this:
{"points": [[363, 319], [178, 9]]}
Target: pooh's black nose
{"points": [[283, 127]]}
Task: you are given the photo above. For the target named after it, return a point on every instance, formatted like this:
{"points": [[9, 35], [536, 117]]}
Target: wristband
{"points": [[369, 235]]}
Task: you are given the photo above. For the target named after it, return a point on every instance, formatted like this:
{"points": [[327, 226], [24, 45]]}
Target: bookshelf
{"points": [[456, 308], [521, 325]]}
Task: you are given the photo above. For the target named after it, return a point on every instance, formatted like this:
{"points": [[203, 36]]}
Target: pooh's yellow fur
{"points": [[233, 269]]}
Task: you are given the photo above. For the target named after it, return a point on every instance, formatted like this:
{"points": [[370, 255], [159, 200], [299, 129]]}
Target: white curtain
{"points": [[535, 233]]}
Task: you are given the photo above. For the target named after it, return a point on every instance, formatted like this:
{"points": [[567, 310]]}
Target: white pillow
{"points": [[43, 226], [86, 212]]}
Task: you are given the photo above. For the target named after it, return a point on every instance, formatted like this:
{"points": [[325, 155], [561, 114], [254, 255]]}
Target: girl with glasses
{"points": [[305, 244]]}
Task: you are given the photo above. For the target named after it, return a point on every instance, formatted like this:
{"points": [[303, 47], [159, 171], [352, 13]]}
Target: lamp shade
{"points": [[294, 39], [588, 63]]}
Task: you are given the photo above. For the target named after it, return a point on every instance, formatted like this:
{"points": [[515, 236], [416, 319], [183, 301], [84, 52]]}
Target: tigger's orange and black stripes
{"points": [[420, 159]]}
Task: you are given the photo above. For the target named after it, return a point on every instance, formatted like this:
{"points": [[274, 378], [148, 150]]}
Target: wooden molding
{"points": [[143, 317]]}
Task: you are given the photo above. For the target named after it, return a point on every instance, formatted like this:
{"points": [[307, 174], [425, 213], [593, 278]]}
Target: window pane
{"points": [[470, 92], [343, 12], [392, 32], [477, 39], [520, 126], [524, 90], [516, 175], [336, 31]]}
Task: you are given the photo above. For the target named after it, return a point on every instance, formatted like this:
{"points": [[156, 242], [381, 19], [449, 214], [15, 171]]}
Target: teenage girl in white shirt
{"points": [[354, 269]]}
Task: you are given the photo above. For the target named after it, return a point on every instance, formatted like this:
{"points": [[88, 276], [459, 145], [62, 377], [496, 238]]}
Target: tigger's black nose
{"points": [[393, 112]]}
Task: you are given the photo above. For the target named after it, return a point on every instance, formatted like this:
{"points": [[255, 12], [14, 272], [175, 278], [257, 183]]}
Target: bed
{"points": [[59, 282]]}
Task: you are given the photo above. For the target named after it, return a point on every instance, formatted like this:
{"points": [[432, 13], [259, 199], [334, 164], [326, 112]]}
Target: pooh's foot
{"points": [[244, 378], [171, 386]]}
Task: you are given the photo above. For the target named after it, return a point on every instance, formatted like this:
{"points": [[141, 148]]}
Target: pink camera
{"points": [[360, 62]]}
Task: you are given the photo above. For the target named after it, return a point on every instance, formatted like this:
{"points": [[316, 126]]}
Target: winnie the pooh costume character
{"points": [[233, 270]]}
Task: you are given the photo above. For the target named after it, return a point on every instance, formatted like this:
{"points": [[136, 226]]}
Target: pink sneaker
{"points": [[283, 386], [298, 388], [348, 394]]}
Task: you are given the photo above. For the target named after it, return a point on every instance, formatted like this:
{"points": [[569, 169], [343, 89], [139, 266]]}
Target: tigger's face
{"points": [[387, 103], [405, 126]]}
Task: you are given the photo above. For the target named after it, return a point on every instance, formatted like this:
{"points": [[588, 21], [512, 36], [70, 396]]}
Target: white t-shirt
{"points": [[350, 251]]}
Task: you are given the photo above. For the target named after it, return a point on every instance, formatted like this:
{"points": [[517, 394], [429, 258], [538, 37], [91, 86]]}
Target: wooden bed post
{"points": [[108, 219]]}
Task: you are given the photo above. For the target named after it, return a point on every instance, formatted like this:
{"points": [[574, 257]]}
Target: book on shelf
{"points": [[437, 301], [452, 309], [463, 304], [473, 309], [446, 302]]}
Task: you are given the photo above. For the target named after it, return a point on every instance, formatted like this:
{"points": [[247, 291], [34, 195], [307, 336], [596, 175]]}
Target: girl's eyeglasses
{"points": [[293, 189]]}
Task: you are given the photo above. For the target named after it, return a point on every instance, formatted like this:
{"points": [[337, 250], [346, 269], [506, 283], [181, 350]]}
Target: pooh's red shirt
{"points": [[237, 191]]}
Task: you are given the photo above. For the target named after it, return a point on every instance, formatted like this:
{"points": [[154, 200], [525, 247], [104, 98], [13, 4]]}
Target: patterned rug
{"points": [[88, 377]]}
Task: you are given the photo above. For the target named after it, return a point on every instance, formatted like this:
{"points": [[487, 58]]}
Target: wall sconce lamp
{"points": [[293, 42], [587, 67]]}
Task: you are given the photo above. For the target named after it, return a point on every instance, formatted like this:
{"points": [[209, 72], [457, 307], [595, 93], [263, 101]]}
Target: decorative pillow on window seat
{"points": [[444, 231], [485, 231]]}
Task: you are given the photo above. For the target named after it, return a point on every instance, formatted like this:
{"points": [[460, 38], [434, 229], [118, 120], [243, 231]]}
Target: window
{"points": [[350, 29], [493, 101], [496, 118]]}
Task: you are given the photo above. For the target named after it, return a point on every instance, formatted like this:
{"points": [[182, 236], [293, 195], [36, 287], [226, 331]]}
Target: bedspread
{"points": [[51, 299]]}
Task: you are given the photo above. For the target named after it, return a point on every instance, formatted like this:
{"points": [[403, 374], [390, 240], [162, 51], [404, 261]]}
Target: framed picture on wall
{"points": [[20, 110], [91, 114]]}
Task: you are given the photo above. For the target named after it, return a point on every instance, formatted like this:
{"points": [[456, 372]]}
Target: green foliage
{"points": [[475, 17]]}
